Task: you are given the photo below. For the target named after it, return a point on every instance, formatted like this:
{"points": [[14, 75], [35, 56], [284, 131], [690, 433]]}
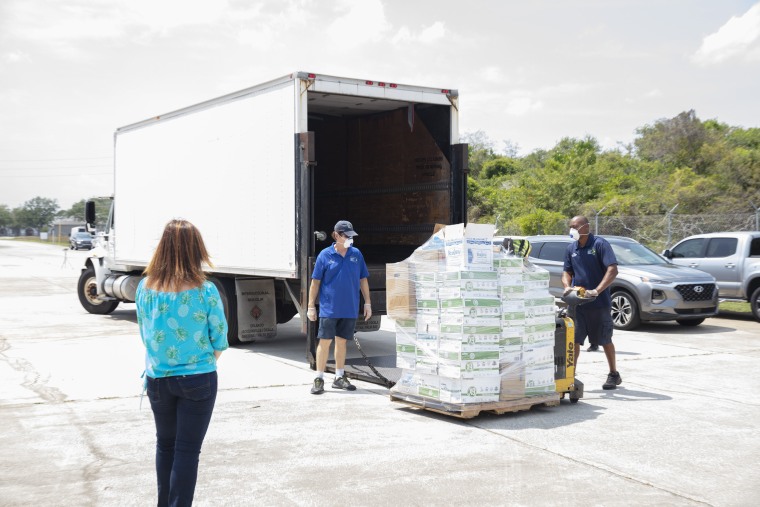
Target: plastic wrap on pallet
{"points": [[474, 323]]}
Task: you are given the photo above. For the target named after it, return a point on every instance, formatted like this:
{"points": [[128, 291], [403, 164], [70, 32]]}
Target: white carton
{"points": [[469, 247], [476, 390], [455, 364], [539, 380], [538, 354]]}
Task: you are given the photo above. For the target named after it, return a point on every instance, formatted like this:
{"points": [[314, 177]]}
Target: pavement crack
{"points": [[618, 473]]}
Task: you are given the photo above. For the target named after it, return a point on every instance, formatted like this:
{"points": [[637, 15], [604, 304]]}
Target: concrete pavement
{"points": [[681, 430]]}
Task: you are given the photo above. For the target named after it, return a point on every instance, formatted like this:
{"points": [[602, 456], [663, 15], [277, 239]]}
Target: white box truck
{"points": [[265, 173]]}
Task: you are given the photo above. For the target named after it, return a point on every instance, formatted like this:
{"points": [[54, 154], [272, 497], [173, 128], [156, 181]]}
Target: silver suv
{"points": [[647, 288]]}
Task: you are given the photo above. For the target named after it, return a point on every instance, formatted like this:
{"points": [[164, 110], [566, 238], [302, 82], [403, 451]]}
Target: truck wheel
{"points": [[285, 313], [87, 289], [755, 304], [690, 322], [625, 311], [226, 288]]}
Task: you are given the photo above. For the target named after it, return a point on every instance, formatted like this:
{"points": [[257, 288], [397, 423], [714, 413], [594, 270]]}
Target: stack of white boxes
{"points": [[482, 326]]}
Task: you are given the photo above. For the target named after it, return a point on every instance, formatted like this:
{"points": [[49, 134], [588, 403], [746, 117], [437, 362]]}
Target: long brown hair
{"points": [[178, 258]]}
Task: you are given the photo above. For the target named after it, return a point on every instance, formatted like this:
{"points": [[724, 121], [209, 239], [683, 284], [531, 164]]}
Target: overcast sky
{"points": [[529, 72]]}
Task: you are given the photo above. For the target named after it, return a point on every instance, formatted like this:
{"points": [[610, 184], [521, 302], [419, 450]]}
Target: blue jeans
{"points": [[182, 408]]}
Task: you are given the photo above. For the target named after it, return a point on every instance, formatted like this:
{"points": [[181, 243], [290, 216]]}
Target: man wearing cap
{"points": [[340, 273]]}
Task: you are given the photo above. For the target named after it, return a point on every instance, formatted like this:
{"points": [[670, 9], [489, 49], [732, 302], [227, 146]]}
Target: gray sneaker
{"points": [[613, 380], [343, 383], [318, 387]]}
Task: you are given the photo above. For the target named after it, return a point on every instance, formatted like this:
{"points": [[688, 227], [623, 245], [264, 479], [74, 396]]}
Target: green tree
{"points": [[500, 166], [102, 207], [480, 150], [676, 142], [6, 216], [37, 212], [542, 221]]}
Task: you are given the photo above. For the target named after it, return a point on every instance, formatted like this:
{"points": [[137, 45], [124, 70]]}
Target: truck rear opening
{"points": [[387, 167]]}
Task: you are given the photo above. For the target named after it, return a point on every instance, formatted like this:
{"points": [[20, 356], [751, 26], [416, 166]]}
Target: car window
{"points": [[689, 248], [553, 251], [754, 248], [635, 254], [721, 247], [535, 249]]}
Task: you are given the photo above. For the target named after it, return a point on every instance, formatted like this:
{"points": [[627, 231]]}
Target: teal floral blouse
{"points": [[181, 330]]}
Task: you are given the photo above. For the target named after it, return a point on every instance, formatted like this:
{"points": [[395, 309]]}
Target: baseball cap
{"points": [[346, 228]]}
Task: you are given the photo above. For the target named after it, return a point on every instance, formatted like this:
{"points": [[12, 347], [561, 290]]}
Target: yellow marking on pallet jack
{"points": [[564, 385]]}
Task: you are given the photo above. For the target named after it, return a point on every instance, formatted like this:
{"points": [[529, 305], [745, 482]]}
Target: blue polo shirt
{"points": [[339, 278], [588, 265]]}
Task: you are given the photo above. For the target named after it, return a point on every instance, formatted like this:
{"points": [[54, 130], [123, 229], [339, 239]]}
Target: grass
{"points": [[35, 239], [734, 307]]}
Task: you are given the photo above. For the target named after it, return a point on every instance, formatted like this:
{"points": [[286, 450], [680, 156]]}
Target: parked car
{"points": [[81, 240], [647, 288], [733, 258]]}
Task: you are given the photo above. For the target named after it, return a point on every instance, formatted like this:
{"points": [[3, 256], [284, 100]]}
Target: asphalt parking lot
{"points": [[680, 430]]}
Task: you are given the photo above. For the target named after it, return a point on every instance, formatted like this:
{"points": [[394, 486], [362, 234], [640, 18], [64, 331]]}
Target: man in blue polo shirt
{"points": [[590, 263], [339, 274]]}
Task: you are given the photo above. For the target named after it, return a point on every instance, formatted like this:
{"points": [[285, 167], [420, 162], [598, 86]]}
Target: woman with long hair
{"points": [[184, 330]]}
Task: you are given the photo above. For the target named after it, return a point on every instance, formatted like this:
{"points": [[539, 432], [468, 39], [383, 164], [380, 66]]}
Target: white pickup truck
{"points": [[733, 258]]}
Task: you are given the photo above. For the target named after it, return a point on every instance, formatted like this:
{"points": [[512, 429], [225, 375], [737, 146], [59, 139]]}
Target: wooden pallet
{"points": [[470, 410]]}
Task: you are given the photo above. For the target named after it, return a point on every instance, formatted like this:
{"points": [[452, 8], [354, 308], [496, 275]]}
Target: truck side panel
{"points": [[226, 166]]}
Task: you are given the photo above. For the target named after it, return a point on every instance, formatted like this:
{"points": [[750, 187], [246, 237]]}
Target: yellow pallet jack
{"points": [[564, 334], [564, 349]]}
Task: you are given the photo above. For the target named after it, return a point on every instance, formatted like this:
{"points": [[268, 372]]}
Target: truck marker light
{"points": [[369, 83], [381, 84], [394, 85]]}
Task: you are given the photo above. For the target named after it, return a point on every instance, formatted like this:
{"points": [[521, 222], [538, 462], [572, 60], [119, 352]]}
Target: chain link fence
{"points": [[659, 232]]}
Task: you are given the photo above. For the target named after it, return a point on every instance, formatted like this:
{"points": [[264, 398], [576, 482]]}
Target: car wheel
{"points": [[755, 304], [625, 311], [690, 322]]}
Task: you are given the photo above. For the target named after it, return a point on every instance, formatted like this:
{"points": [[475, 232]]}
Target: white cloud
{"points": [[428, 35], [433, 33], [360, 23], [69, 28], [15, 57], [520, 105], [738, 38]]}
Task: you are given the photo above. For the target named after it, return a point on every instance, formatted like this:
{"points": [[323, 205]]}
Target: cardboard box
{"points": [[406, 356], [538, 354], [454, 364], [539, 380], [400, 299], [469, 284], [512, 381], [469, 247], [476, 390]]}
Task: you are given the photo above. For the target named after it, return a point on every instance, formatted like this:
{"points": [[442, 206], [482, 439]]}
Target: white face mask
{"points": [[348, 242], [575, 234]]}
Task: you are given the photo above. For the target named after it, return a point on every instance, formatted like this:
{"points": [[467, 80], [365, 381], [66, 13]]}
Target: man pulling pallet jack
{"points": [[591, 263]]}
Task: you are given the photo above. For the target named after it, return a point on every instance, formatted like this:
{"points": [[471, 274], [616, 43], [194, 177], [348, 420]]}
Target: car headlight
{"points": [[646, 279]]}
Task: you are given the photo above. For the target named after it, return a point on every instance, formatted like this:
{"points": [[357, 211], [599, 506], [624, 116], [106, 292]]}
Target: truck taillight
{"points": [[312, 76], [445, 91]]}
